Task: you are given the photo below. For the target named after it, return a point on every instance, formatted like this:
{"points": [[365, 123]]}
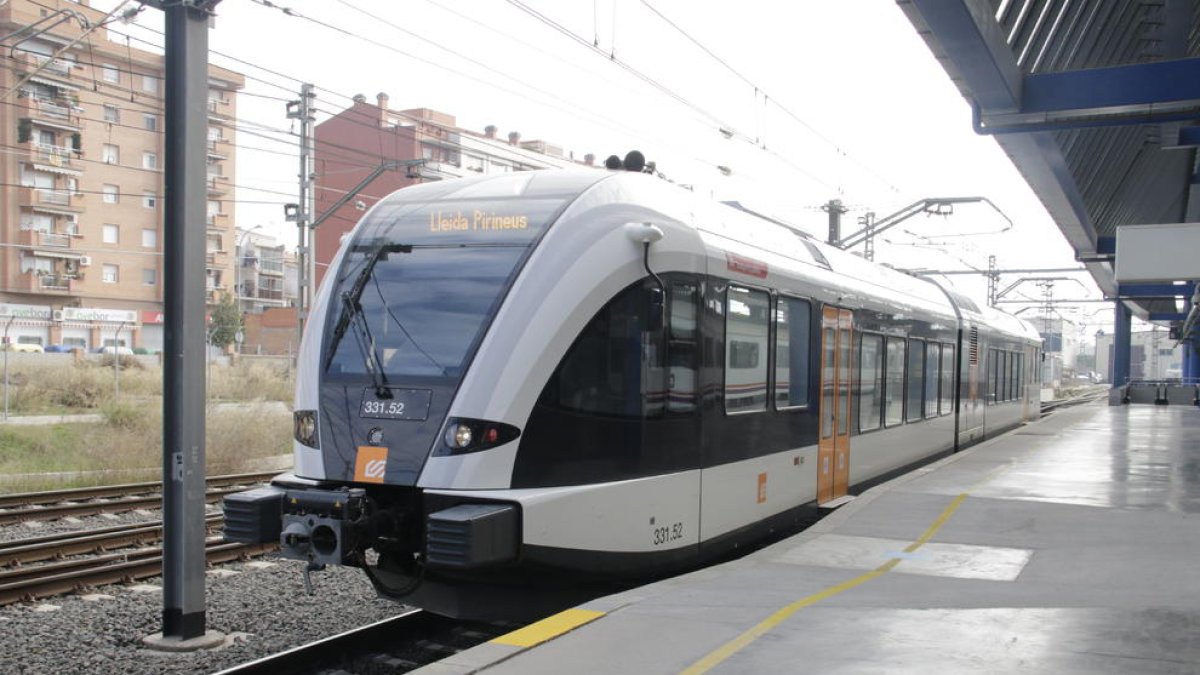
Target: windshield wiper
{"points": [[352, 312]]}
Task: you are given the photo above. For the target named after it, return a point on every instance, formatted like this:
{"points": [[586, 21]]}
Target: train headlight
{"points": [[459, 436], [304, 427], [471, 435]]}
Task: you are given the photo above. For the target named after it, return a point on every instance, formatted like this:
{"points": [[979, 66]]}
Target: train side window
{"points": [[1002, 376], [746, 322], [615, 365], [991, 376], [916, 380], [682, 350], [870, 393], [933, 360], [1014, 359], [793, 319], [1020, 376], [946, 405], [893, 389]]}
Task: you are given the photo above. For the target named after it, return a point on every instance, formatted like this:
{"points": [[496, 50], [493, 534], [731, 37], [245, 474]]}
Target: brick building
{"points": [[81, 181], [351, 144]]}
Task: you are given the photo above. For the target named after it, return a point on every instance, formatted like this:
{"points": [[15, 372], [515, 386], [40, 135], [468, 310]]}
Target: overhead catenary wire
{"points": [[769, 99]]}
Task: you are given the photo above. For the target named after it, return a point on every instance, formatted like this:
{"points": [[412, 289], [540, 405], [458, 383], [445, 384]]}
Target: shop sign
{"points": [[152, 317], [25, 311], [99, 314]]}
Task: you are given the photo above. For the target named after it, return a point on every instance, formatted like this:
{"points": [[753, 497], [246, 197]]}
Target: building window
{"points": [[149, 238], [110, 154], [149, 200], [112, 194], [111, 234], [111, 73], [746, 322], [112, 114], [149, 84], [149, 277], [150, 122], [149, 160], [792, 319], [111, 274]]}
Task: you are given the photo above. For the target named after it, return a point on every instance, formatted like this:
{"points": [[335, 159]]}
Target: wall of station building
{"points": [[1153, 356]]}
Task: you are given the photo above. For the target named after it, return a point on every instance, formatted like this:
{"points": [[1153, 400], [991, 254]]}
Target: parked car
{"points": [[59, 349], [24, 347], [123, 351]]}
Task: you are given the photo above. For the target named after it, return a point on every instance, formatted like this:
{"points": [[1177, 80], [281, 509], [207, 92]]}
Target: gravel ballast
{"points": [[262, 610]]}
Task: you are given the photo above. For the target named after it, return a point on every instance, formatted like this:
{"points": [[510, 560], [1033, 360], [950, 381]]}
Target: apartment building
{"points": [[267, 275], [81, 182], [351, 145]]}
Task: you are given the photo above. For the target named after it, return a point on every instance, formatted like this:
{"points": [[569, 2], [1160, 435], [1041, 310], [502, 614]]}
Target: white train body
{"points": [[632, 407]]}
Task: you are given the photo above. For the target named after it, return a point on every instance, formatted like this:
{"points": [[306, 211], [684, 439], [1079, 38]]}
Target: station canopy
{"points": [[1097, 103]]}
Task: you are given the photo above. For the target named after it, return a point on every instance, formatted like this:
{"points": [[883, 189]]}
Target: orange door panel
{"points": [[833, 449]]}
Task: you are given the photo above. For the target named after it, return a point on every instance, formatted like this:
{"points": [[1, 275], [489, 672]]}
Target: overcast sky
{"points": [[823, 99]]}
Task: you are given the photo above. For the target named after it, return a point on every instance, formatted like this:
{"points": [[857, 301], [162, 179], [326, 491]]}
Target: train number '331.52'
{"points": [[663, 535]]}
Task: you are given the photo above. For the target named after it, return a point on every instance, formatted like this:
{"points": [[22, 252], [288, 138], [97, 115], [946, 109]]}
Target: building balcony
{"points": [[48, 65], [269, 294], [269, 266], [218, 148], [54, 155], [58, 113], [217, 185], [57, 201], [40, 239], [53, 283]]}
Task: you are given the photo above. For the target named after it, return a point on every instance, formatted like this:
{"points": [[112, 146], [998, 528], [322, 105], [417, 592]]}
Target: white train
{"points": [[547, 377]]}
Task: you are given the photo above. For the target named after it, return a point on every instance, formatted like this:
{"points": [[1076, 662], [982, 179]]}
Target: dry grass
{"points": [[90, 386], [127, 447]]}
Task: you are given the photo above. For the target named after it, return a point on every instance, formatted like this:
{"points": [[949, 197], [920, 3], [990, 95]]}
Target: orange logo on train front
{"points": [[762, 488], [371, 464]]}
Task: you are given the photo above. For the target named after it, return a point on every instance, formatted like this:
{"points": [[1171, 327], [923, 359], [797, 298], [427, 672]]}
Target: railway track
{"points": [[19, 507], [396, 645], [25, 584]]}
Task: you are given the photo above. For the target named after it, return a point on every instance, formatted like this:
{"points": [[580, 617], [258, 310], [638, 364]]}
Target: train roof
{"points": [[724, 225]]}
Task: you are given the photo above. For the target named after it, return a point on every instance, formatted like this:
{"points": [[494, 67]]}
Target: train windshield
{"points": [[421, 282]]}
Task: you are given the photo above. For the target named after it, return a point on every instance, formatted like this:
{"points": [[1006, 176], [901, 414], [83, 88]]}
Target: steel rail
{"points": [[93, 508], [304, 658], [61, 545], [144, 565], [18, 499]]}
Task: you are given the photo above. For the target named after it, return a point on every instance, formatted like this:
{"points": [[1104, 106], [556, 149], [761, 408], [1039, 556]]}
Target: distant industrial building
{"points": [[81, 182], [1153, 355], [353, 144]]}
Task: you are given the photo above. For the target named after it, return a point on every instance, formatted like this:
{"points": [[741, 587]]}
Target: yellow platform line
{"points": [[548, 628], [718, 655]]}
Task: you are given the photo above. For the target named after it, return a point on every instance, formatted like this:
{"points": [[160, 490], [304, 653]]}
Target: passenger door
{"points": [[833, 451]]}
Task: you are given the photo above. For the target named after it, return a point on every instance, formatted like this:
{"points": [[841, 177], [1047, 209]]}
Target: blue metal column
{"points": [[1121, 328], [1191, 360]]}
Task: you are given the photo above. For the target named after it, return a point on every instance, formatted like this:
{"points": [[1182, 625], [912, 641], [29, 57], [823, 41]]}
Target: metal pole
{"points": [[6, 348], [302, 110], [184, 259], [117, 361], [835, 210]]}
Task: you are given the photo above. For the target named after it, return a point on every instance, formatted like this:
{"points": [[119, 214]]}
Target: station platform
{"points": [[1070, 545]]}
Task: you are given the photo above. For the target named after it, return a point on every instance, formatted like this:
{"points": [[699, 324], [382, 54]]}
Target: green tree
{"points": [[226, 322]]}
